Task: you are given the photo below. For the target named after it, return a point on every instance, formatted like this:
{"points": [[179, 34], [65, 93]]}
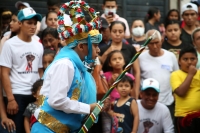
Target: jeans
{"points": [[22, 101]]}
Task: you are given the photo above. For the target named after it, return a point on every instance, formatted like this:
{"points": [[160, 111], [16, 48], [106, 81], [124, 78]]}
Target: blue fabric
{"points": [[39, 128], [90, 40], [84, 83], [88, 58]]}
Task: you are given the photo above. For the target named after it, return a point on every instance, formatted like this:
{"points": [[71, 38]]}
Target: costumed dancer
{"points": [[68, 93]]}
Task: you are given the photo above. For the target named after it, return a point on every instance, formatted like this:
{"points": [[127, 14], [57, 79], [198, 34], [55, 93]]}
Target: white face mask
{"points": [[107, 10], [138, 31]]}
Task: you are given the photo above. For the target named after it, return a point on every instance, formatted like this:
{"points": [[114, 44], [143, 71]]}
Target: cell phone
{"points": [[111, 14]]}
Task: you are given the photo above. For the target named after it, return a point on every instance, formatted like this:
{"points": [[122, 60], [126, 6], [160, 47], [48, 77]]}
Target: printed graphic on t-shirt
{"points": [[31, 66], [120, 117], [176, 52], [148, 124], [29, 59]]}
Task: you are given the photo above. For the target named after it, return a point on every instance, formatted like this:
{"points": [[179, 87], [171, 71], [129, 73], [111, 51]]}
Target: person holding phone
{"points": [[110, 9]]}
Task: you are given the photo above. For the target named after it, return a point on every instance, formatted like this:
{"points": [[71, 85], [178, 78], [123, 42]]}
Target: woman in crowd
{"points": [[52, 19], [152, 18], [14, 29], [138, 35], [5, 18], [117, 29], [50, 39]]}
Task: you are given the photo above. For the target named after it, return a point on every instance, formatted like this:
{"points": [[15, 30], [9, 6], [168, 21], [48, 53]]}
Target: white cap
{"points": [[21, 3], [189, 6], [150, 83]]}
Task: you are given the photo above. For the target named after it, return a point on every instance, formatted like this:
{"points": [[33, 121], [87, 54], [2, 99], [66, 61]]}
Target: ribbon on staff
{"points": [[92, 117]]}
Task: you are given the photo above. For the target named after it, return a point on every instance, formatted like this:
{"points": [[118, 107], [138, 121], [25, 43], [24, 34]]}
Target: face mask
{"points": [[138, 31], [107, 11]]}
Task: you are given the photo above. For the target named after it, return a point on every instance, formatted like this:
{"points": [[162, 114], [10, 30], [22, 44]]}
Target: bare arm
{"points": [[40, 70], [5, 121], [27, 125], [136, 72], [12, 107], [184, 87], [134, 111]]}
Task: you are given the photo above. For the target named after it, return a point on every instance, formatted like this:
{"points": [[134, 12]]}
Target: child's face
{"points": [[196, 40], [117, 61], [173, 15], [173, 32], [197, 24], [124, 88], [47, 59], [54, 8], [186, 60], [36, 95]]}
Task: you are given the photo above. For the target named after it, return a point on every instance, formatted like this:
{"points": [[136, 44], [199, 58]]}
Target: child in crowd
{"points": [[30, 109], [173, 14], [48, 57], [173, 33], [125, 108], [196, 43], [116, 62], [186, 87]]}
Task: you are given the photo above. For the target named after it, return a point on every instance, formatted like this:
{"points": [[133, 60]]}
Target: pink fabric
{"points": [[115, 94], [118, 18]]}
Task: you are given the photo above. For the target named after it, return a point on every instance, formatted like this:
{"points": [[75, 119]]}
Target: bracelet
{"points": [[11, 100]]}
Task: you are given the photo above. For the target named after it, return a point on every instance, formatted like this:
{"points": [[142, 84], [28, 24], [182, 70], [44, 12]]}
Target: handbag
{"points": [[101, 83]]}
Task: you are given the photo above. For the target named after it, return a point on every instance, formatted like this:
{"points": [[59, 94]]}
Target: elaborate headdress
{"points": [[80, 31]]}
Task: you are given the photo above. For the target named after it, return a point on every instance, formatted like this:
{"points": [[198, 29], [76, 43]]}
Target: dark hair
{"points": [[188, 49], [14, 33], [51, 31], [150, 13], [117, 22], [47, 15], [53, 3], [169, 22], [49, 52], [104, 2], [170, 11], [36, 86], [107, 61], [126, 78]]}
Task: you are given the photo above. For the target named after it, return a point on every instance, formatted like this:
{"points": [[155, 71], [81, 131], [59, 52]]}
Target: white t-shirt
{"points": [[159, 68], [156, 120], [67, 21], [23, 59]]}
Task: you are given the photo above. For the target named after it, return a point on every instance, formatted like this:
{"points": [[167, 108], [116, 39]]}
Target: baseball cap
{"points": [[28, 13], [104, 23], [197, 2], [150, 83], [189, 6], [21, 3]]}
